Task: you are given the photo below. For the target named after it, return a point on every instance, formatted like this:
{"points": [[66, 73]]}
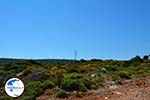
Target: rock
{"points": [[104, 70], [113, 87], [119, 93], [93, 75]]}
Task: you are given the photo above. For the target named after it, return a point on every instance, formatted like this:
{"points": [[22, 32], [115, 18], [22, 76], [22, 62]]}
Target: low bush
{"points": [[98, 81], [3, 72], [88, 68], [5, 98], [93, 83], [72, 70], [111, 68], [124, 74], [34, 89], [48, 84], [72, 85], [94, 87], [61, 94], [48, 92], [115, 78], [27, 98], [82, 88], [87, 82], [78, 94], [73, 76]]}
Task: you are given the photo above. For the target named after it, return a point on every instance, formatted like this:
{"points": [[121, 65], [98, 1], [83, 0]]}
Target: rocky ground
{"points": [[133, 89]]}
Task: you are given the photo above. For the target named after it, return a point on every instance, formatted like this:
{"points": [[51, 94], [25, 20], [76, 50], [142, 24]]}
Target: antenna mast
{"points": [[75, 55]]}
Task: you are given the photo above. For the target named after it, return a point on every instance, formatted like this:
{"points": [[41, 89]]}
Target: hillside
{"points": [[66, 79], [4, 61], [132, 89]]}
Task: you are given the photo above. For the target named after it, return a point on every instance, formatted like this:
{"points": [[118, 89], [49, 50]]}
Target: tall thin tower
{"points": [[75, 55]]}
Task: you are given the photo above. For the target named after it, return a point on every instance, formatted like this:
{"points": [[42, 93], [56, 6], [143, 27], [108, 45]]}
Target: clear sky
{"points": [[104, 29]]}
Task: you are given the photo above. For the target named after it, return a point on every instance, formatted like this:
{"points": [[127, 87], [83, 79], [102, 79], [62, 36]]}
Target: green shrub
{"points": [[48, 84], [98, 81], [3, 72], [48, 92], [93, 83], [136, 59], [71, 85], [87, 82], [72, 70], [5, 98], [134, 64], [53, 79], [124, 74], [27, 98], [18, 66], [73, 76], [93, 87], [78, 94], [111, 68], [61, 94], [115, 77], [82, 88], [28, 70], [88, 68], [34, 89]]}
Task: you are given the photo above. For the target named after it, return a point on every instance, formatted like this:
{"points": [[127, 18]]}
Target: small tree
{"points": [[59, 74], [145, 57], [136, 59]]}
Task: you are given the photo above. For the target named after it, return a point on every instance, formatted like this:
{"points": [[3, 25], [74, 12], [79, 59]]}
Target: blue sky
{"points": [[104, 29]]}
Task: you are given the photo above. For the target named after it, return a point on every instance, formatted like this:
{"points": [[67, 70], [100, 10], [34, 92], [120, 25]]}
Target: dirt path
{"points": [[134, 89], [137, 89]]}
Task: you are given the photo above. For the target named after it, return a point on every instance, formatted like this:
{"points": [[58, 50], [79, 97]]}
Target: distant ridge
{"points": [[4, 61]]}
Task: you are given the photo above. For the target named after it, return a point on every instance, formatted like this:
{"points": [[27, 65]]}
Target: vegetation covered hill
{"points": [[4, 61], [60, 78]]}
